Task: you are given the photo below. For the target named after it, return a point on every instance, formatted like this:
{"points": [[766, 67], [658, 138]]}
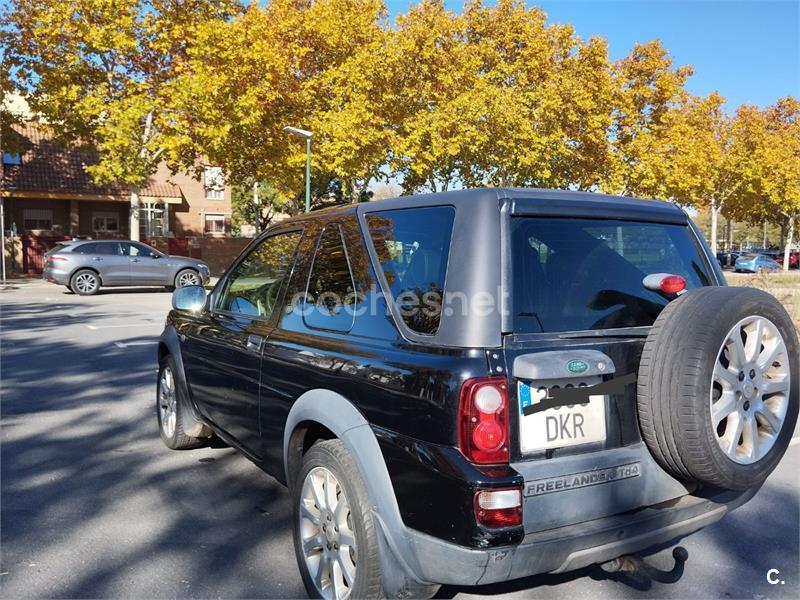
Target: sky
{"points": [[748, 51]]}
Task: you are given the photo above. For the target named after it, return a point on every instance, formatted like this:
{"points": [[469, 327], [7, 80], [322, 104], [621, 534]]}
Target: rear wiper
{"points": [[534, 315]]}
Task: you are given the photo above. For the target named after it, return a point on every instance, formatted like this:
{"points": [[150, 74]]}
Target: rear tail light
{"points": [[483, 420], [499, 508], [55, 258]]}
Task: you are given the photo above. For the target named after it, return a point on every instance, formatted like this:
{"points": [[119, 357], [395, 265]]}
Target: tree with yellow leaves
{"points": [[99, 73], [291, 62], [773, 167]]}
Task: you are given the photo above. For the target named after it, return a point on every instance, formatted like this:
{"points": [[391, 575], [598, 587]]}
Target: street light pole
{"points": [[303, 133], [308, 174]]}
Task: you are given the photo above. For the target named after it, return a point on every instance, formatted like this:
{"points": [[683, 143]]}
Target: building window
{"points": [[11, 158], [37, 218], [214, 224], [105, 222], [153, 220], [214, 183]]}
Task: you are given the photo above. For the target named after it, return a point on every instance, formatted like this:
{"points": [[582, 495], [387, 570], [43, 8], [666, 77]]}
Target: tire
{"points": [[170, 403], [85, 282], [187, 277], [691, 402], [331, 458]]}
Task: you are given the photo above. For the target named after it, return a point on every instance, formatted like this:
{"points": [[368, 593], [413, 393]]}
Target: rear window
{"points": [[413, 246], [56, 248], [583, 274]]}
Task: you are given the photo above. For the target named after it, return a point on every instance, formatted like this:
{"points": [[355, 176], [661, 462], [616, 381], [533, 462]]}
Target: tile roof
{"points": [[47, 166]]}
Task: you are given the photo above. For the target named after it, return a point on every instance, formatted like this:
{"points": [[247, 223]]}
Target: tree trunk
{"points": [[134, 214], [728, 234], [764, 244], [714, 220], [787, 249], [256, 208]]}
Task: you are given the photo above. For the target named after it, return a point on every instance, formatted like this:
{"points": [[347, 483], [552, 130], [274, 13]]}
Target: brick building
{"points": [[47, 196]]}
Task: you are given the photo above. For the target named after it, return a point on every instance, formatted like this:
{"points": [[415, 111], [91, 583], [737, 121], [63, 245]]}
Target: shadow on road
{"points": [[87, 484]]}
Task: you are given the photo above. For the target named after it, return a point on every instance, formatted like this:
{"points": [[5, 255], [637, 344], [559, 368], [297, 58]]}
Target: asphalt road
{"points": [[93, 505]]}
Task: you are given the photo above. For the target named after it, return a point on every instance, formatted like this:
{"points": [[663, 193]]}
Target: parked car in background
{"points": [[727, 259], [428, 443], [753, 263], [794, 258], [86, 266]]}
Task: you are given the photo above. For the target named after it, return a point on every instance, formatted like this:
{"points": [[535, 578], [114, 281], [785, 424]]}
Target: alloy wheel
{"points": [[86, 283], [750, 390], [188, 278], [328, 538], [167, 400]]}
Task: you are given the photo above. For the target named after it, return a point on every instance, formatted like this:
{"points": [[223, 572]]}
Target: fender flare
{"points": [[345, 421], [191, 421]]}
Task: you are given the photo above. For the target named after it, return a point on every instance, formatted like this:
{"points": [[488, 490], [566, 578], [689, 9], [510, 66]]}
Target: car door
{"points": [[147, 265], [223, 347], [113, 267]]}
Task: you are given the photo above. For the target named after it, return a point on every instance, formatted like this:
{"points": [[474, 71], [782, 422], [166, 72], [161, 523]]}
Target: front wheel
{"points": [[169, 406], [187, 277], [335, 541]]}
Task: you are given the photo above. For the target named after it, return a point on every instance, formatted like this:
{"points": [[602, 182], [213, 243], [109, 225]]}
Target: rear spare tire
{"points": [[718, 386]]}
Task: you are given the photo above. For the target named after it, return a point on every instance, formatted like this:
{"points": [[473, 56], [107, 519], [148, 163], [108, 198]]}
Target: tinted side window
{"points": [[331, 294], [85, 249], [413, 247], [254, 285], [108, 248], [137, 249]]}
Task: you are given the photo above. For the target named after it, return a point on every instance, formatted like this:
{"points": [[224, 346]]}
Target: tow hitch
{"points": [[637, 566]]}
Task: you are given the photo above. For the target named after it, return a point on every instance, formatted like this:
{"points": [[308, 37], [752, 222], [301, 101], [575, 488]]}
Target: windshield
{"points": [[581, 274]]}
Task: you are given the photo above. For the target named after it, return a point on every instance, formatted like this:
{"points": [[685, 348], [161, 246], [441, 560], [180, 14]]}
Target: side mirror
{"points": [[191, 298], [154, 255]]}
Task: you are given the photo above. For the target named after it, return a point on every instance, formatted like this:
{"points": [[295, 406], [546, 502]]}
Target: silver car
{"points": [[86, 266]]}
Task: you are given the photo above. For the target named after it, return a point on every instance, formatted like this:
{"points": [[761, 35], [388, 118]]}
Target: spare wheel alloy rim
{"points": [[750, 389], [327, 535]]}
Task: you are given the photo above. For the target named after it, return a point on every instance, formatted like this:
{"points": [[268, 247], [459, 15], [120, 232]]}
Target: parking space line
{"points": [[139, 343], [795, 441]]}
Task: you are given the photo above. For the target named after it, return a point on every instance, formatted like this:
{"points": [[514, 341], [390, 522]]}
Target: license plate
{"points": [[562, 426]]}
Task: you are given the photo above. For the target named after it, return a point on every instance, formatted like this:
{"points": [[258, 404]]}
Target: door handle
{"points": [[255, 343], [97, 258], [134, 260]]}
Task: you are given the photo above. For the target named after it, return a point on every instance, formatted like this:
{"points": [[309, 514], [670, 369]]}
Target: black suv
{"points": [[476, 386]]}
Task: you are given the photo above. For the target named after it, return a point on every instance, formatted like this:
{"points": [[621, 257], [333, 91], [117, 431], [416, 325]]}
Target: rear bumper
{"points": [[570, 547], [55, 276]]}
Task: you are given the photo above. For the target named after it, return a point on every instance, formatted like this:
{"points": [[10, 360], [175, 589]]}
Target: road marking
{"points": [[123, 325], [795, 441], [140, 343]]}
